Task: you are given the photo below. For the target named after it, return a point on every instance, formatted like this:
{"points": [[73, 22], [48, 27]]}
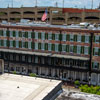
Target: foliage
{"points": [[91, 89], [77, 83], [32, 75], [14, 72]]}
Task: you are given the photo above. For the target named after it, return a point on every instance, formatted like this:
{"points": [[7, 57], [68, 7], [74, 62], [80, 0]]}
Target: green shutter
{"points": [[60, 47], [68, 37], [20, 44], [99, 52], [8, 43], [75, 49], [46, 35], [75, 37], [20, 34], [39, 35], [83, 38], [46, 46], [14, 45], [26, 44], [67, 48], [26, 34], [53, 47], [60, 37], [92, 64], [82, 50], [2, 42], [53, 36], [1, 32], [7, 33], [93, 50], [14, 33], [32, 45], [88, 50], [39, 46]]}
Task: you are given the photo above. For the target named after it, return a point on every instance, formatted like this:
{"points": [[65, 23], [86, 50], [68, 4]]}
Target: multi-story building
{"points": [[59, 53], [55, 15]]}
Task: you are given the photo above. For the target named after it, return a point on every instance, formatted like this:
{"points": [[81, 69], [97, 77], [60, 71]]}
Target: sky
{"points": [[67, 3]]}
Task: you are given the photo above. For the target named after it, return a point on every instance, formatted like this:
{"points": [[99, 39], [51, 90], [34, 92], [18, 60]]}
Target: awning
{"points": [[70, 57], [44, 54]]}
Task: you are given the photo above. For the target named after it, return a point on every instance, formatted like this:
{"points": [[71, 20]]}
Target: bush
{"points": [[77, 83], [92, 89], [14, 72], [32, 75]]}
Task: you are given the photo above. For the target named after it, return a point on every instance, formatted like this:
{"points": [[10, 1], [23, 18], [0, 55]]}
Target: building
{"points": [[55, 15], [52, 52]]}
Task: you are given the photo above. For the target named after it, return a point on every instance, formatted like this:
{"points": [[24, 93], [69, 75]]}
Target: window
{"points": [[36, 46], [17, 34], [5, 43], [23, 34], [64, 37], [17, 69], [4, 33], [71, 49], [64, 48], [17, 44], [71, 37], [42, 46], [36, 59], [36, 35], [79, 38], [56, 47], [49, 46], [11, 33], [29, 45], [49, 36], [23, 58], [29, 34], [29, 59], [86, 50], [86, 38], [95, 65], [11, 43], [96, 51], [23, 44], [42, 35], [78, 49], [97, 39], [56, 37]]}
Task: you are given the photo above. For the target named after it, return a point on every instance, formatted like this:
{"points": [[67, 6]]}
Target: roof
{"points": [[77, 10]]}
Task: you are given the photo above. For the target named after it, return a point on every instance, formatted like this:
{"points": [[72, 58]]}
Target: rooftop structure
{"points": [[17, 87], [56, 16]]}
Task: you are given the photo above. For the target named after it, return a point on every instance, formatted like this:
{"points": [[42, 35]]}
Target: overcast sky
{"points": [[67, 3]]}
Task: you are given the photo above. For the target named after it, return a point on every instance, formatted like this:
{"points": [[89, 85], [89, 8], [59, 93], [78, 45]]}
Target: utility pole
{"points": [[92, 5], [63, 3], [36, 3], [12, 3]]}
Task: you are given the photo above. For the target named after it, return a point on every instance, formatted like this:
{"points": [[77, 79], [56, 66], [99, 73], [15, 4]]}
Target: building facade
{"points": [[66, 54], [55, 15]]}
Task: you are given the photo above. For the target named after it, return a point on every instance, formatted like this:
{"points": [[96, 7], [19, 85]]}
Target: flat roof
{"points": [[18, 87]]}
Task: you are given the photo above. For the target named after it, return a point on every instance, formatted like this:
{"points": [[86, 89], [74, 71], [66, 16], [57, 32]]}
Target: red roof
{"points": [[77, 10]]}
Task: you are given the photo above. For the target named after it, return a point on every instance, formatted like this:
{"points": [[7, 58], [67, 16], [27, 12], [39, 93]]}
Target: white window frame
{"points": [[79, 36], [56, 47], [96, 38], [17, 34], [71, 48], [63, 47], [96, 50], [86, 48], [11, 33], [86, 38], [36, 45], [57, 36], [4, 33], [71, 37], [36, 35], [17, 44], [29, 44], [49, 46], [5, 42], [11, 43], [78, 49], [29, 34], [42, 35], [49, 36], [64, 37], [42, 46]]}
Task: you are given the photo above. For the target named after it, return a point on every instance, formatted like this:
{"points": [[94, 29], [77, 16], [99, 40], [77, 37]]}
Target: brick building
{"points": [[59, 53], [55, 15]]}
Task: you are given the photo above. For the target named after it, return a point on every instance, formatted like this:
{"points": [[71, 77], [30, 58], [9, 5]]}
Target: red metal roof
{"points": [[77, 10]]}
